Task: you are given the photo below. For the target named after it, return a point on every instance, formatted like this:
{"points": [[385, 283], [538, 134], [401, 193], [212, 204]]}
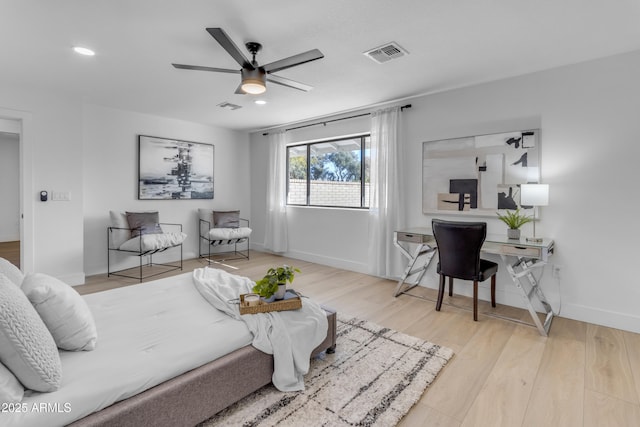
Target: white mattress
{"points": [[147, 334]]}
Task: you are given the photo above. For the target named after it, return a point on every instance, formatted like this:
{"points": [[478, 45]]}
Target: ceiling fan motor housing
{"points": [[254, 81]]}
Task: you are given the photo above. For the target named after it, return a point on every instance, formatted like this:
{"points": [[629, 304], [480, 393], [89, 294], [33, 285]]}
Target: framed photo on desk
{"points": [[479, 175]]}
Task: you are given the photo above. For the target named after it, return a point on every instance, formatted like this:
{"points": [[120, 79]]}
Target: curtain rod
{"points": [[324, 123]]}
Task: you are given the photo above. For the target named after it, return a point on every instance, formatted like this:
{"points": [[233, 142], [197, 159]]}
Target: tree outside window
{"points": [[335, 171]]}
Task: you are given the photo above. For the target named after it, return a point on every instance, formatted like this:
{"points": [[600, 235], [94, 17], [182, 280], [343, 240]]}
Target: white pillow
{"points": [[206, 215], [118, 237], [12, 272], [11, 391], [151, 242], [64, 312], [229, 233], [26, 346]]}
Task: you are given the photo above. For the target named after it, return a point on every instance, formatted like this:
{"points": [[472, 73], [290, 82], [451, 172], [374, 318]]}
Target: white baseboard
{"points": [[74, 279], [612, 319], [318, 259]]}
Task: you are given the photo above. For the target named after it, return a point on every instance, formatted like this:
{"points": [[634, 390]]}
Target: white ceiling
{"points": [[450, 44]]}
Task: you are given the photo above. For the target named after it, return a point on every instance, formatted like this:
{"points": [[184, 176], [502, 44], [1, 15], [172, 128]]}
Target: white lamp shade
{"points": [[534, 194]]}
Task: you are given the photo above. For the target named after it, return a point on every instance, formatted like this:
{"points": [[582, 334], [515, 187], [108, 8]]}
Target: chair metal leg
{"points": [[440, 293], [475, 300], [493, 290], [450, 286]]}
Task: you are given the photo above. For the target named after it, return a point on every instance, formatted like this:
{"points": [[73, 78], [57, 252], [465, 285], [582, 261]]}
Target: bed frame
{"points": [[197, 395]]}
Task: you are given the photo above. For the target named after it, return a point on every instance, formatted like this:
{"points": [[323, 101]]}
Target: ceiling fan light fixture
{"points": [[254, 81]]}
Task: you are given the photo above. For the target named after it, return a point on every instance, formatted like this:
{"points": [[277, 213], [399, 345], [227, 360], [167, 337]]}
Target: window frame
{"points": [[363, 137]]}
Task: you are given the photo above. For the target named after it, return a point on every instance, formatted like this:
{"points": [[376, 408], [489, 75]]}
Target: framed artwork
{"points": [[479, 175], [171, 169]]}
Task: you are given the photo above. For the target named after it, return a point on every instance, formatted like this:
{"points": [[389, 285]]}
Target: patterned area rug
{"points": [[375, 376]]}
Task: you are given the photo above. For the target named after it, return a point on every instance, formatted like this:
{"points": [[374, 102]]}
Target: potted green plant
{"points": [[274, 283], [514, 220]]}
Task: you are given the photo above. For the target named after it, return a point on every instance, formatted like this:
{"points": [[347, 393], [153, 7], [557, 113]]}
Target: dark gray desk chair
{"points": [[459, 245]]}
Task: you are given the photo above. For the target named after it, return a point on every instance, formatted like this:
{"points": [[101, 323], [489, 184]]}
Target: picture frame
{"points": [[479, 175], [172, 169]]}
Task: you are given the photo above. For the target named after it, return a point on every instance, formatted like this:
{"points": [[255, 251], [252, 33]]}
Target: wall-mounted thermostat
{"points": [[43, 196]]}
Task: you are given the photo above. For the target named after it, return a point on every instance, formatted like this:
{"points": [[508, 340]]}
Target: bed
{"points": [[153, 364]]}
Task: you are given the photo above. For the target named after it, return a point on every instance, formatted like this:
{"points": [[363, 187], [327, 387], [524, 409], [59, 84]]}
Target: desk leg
{"points": [[528, 291], [422, 249]]}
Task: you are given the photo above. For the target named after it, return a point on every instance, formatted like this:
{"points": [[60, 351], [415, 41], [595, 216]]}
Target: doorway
{"points": [[10, 195], [15, 133]]}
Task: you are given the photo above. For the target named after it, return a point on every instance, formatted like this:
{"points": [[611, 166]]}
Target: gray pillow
{"points": [[12, 272], [143, 223], [226, 219], [26, 346]]}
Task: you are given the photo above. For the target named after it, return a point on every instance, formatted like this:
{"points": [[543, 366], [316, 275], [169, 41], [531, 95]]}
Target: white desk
{"points": [[520, 257]]}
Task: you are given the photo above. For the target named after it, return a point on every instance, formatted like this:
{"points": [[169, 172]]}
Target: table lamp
{"points": [[534, 195]]}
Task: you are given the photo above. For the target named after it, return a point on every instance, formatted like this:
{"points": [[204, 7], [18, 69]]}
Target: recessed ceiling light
{"points": [[260, 101], [83, 51]]}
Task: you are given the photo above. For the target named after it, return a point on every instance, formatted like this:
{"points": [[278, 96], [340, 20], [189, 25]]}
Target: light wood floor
{"points": [[502, 374], [11, 252]]}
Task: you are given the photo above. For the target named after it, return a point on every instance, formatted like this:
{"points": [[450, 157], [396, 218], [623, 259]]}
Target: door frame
{"points": [[24, 122]]}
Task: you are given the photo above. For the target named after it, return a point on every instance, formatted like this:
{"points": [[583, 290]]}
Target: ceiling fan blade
{"points": [[288, 83], [239, 90], [200, 68], [292, 61], [231, 48]]}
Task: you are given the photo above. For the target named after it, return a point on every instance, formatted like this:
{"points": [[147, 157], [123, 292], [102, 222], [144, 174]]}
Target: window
{"points": [[329, 173]]}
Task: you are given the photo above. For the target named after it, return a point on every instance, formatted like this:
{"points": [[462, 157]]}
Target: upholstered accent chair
{"points": [[459, 245], [141, 234], [223, 229]]}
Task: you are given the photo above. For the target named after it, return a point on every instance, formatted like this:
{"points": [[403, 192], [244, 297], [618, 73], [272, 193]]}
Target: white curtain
{"points": [[276, 238], [385, 205]]}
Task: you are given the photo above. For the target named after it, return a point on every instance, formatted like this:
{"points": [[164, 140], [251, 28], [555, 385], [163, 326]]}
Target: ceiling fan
{"points": [[254, 76]]}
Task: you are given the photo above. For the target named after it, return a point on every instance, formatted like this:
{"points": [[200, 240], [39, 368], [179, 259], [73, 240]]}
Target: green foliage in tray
{"points": [[268, 285]]}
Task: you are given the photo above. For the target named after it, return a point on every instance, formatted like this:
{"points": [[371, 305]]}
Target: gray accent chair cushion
{"points": [[144, 223], [226, 219]]}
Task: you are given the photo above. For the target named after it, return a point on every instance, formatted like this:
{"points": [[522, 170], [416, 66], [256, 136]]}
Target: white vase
{"points": [[282, 289]]}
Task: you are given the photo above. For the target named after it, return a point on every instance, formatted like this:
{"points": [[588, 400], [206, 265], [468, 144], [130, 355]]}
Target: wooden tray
{"points": [[291, 301]]}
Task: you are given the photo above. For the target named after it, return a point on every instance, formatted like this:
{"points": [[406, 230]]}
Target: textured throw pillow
{"points": [[26, 346], [226, 219], [152, 242], [143, 223], [12, 272], [11, 391], [229, 233], [64, 312]]}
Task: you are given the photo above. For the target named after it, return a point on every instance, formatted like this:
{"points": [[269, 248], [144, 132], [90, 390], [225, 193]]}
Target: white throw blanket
{"points": [[289, 335]]}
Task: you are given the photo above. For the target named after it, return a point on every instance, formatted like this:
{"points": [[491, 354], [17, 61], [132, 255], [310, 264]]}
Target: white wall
{"points": [[111, 177], [9, 187], [53, 162], [588, 116], [335, 237]]}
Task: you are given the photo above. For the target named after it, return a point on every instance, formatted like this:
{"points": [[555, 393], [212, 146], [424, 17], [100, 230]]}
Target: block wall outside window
{"points": [[329, 173]]}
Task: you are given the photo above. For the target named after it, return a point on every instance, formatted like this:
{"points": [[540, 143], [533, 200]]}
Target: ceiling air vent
{"points": [[229, 105], [386, 52]]}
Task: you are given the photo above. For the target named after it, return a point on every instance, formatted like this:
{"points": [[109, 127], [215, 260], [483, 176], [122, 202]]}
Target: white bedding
{"points": [[290, 336], [147, 334]]}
